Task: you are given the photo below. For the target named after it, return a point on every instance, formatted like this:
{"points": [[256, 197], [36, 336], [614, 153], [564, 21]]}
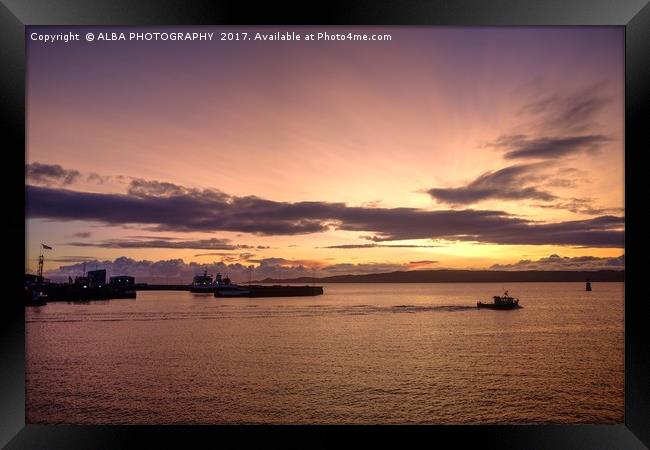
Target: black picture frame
{"points": [[634, 15]]}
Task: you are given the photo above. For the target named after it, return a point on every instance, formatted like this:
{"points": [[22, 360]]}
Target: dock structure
{"points": [[161, 287], [259, 290], [92, 286]]}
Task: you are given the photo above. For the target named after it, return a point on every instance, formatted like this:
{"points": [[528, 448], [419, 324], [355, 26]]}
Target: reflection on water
{"points": [[382, 353]]}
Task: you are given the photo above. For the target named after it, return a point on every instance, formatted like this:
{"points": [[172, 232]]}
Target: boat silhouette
{"points": [[504, 301], [204, 284]]}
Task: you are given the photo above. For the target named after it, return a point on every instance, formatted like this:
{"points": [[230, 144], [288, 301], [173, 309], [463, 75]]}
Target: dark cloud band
{"points": [[199, 244], [549, 148], [509, 183], [205, 211]]}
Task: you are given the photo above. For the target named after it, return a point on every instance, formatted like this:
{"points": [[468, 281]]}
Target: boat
{"points": [[34, 297], [501, 302], [203, 284]]}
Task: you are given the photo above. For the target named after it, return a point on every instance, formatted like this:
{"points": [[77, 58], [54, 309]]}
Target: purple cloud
{"points": [[557, 262], [203, 211], [509, 183]]}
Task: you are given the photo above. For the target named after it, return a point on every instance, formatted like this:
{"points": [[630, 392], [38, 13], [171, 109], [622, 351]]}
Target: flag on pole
{"points": [[46, 247]]}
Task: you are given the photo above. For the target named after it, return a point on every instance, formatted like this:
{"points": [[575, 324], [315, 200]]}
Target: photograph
{"points": [[325, 225]]}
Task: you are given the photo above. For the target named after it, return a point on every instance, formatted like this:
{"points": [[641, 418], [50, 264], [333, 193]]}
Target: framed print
{"points": [[350, 219]]}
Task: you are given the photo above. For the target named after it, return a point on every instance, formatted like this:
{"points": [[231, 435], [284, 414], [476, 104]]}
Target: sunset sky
{"points": [[442, 148]]}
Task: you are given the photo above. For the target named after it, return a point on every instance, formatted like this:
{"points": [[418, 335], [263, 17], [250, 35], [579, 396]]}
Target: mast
{"points": [[41, 261]]}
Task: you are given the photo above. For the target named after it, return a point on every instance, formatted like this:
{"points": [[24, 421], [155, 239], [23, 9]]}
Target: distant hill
{"points": [[463, 276]]}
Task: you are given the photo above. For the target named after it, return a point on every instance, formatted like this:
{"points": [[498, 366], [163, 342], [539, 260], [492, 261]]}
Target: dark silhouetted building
{"points": [[122, 281], [96, 278]]}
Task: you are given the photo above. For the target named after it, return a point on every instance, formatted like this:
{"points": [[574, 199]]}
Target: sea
{"points": [[359, 354]]}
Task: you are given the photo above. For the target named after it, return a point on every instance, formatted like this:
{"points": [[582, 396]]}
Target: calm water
{"points": [[361, 353]]}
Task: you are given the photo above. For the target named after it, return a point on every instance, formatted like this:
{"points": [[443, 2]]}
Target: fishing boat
{"points": [[34, 297], [504, 301]]}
